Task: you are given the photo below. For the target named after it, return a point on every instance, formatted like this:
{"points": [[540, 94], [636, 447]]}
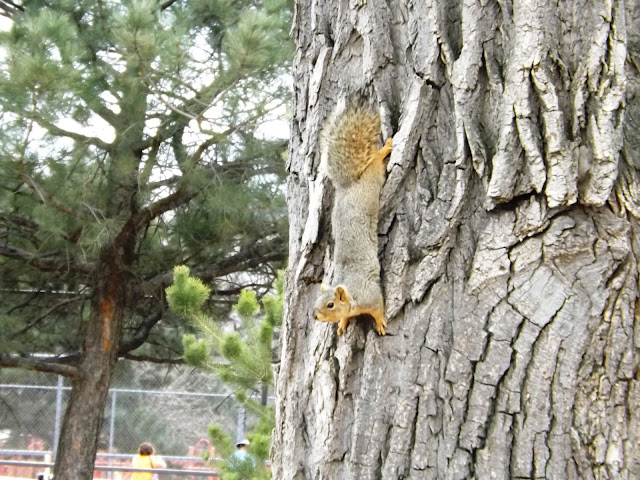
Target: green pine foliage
{"points": [[247, 305], [221, 440], [241, 360], [187, 294]]}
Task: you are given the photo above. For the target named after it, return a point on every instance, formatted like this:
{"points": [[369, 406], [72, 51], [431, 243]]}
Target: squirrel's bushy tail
{"points": [[351, 142]]}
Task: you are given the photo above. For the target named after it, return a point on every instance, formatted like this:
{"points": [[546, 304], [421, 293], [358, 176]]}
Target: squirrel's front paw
{"points": [[342, 326]]}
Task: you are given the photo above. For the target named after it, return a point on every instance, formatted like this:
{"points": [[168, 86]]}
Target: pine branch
{"points": [[274, 250], [45, 264], [166, 4], [179, 117], [182, 196], [170, 202], [45, 314], [93, 101], [214, 137], [44, 196], [9, 8], [147, 168], [61, 132], [19, 221], [29, 225], [164, 183], [101, 110], [39, 364], [204, 146], [48, 198]]}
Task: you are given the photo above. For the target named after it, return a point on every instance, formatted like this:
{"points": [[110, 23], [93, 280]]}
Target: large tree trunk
{"points": [[508, 242]]}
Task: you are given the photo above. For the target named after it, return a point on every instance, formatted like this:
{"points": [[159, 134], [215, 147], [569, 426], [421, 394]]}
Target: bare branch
{"points": [[140, 335], [203, 148], [170, 202], [61, 132], [166, 4], [148, 358], [164, 183], [45, 264], [191, 108], [8, 8], [51, 365]]}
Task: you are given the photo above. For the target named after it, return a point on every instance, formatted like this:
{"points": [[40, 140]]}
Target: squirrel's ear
{"points": [[341, 294], [323, 287]]}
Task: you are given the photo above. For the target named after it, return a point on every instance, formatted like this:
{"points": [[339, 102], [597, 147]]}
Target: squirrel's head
{"points": [[332, 305]]}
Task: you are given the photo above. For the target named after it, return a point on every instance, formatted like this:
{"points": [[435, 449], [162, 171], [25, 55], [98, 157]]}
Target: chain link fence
{"points": [[168, 407]]}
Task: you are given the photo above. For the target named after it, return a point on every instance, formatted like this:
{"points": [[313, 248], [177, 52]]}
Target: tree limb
{"points": [[164, 183], [44, 264], [50, 199], [170, 202], [141, 334], [192, 108], [166, 4], [9, 8], [61, 132], [37, 364], [19, 221], [148, 358]]}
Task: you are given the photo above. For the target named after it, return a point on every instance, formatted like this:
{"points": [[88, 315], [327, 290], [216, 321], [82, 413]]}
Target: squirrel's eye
{"points": [[330, 305]]}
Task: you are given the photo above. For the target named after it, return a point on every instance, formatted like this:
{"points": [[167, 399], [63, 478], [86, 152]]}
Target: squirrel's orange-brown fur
{"points": [[355, 165]]}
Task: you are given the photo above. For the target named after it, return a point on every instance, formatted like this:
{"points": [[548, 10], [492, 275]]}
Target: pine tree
{"points": [[241, 361], [132, 140]]}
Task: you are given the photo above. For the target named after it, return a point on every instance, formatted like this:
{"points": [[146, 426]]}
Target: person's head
{"points": [[242, 444], [145, 449]]}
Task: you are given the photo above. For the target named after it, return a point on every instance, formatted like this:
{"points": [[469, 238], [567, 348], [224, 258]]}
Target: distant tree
{"points": [[132, 140], [242, 361]]}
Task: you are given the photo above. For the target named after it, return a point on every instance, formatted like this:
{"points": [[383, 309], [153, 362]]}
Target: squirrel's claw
{"points": [[381, 324]]}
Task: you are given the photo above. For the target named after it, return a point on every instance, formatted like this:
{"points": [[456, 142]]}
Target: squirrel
{"points": [[356, 167]]}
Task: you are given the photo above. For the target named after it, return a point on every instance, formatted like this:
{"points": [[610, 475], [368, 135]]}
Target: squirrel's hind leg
{"points": [[384, 150]]}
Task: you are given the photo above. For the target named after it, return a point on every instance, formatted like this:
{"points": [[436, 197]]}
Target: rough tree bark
{"points": [[508, 242]]}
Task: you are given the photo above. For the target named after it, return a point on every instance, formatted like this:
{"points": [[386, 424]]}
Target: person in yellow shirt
{"points": [[146, 459]]}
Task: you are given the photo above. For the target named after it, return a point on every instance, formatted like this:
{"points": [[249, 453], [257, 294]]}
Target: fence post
{"points": [[112, 419], [240, 425], [56, 426], [112, 425]]}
